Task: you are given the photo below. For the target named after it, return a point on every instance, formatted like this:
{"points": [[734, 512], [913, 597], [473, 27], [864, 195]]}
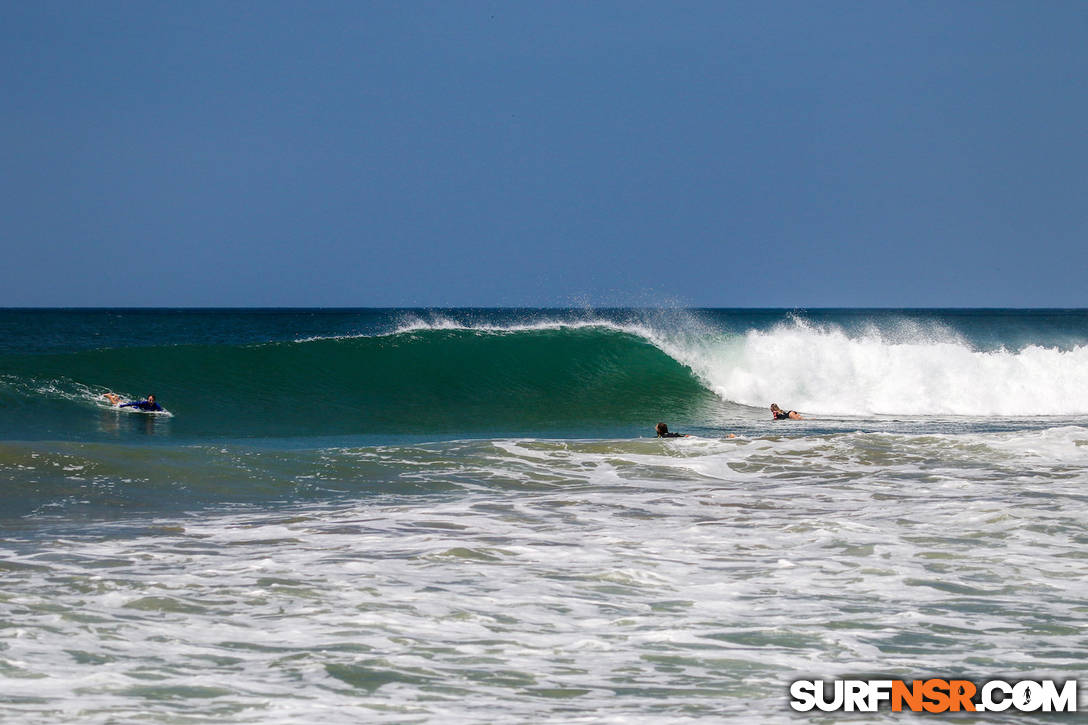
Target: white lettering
{"points": [[879, 691], [855, 697], [821, 696], [1064, 701], [1027, 696], [804, 695], [988, 701]]}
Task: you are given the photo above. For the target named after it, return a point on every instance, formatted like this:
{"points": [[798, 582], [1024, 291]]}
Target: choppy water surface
{"points": [[532, 580], [458, 516]]}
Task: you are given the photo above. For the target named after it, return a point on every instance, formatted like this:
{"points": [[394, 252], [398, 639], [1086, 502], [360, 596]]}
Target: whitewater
{"points": [[462, 515]]}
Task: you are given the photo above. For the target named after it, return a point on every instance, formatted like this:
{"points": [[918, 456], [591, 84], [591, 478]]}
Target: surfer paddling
{"points": [[148, 405], [663, 432], [779, 414]]}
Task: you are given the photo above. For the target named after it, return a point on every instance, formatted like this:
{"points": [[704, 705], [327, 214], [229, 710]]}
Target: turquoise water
{"points": [[460, 515]]}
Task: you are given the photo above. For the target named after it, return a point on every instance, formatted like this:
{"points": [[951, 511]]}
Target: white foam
{"points": [[913, 369], [738, 562], [918, 372]]}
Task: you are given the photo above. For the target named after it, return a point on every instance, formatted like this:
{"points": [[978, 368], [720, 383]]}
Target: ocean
{"points": [[463, 515]]}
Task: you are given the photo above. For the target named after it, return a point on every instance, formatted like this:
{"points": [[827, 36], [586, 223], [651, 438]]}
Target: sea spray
{"points": [[565, 373], [462, 515], [824, 370]]}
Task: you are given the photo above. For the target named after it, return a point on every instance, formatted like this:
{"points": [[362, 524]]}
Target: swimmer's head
{"points": [[661, 429], [151, 397], [775, 408]]}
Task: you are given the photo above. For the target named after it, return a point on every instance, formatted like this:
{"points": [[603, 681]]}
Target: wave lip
{"points": [[906, 368], [436, 322], [442, 379], [596, 375]]}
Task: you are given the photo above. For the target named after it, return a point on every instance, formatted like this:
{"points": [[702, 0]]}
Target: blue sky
{"points": [[785, 154]]}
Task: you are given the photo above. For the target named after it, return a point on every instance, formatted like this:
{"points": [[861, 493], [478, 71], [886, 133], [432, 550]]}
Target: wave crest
{"points": [[912, 371]]}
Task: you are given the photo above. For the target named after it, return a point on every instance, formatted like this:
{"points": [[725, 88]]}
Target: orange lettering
{"points": [[961, 692], [936, 691], [912, 695]]}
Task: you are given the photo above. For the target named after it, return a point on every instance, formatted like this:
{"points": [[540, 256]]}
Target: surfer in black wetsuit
{"points": [[779, 414], [148, 405], [663, 432]]}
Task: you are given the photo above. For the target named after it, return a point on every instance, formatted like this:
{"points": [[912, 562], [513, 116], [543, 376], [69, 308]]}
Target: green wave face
{"points": [[426, 381]]}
